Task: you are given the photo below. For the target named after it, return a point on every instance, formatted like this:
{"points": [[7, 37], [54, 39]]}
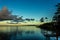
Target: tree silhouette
{"points": [[53, 26], [32, 19], [27, 19], [46, 19], [56, 17], [42, 19]]}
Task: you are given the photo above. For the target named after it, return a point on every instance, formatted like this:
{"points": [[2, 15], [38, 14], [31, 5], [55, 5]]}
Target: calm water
{"points": [[27, 33], [24, 33]]}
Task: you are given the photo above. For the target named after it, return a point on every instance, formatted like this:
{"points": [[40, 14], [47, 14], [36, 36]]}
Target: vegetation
{"points": [[42, 19], [53, 26]]}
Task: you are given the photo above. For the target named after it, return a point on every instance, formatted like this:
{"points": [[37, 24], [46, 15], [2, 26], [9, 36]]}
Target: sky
{"points": [[31, 8]]}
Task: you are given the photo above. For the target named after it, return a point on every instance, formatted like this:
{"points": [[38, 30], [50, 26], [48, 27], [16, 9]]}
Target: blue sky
{"points": [[31, 8]]}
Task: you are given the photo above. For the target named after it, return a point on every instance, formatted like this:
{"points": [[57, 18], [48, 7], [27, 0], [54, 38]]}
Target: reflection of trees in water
{"points": [[4, 36], [29, 32], [19, 33]]}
